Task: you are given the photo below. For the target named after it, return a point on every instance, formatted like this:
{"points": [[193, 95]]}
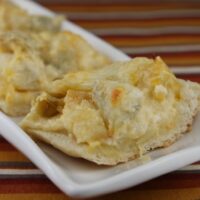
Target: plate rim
{"points": [[24, 143]]}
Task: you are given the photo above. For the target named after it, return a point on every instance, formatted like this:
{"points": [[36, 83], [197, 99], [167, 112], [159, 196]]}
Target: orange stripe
{"points": [[152, 41], [7, 156], [139, 23], [183, 194]]}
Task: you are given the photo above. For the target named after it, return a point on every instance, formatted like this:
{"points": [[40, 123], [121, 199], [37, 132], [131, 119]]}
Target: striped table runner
{"points": [[171, 30]]}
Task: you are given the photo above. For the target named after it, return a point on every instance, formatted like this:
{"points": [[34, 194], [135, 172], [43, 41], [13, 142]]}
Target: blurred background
{"points": [[167, 28]]}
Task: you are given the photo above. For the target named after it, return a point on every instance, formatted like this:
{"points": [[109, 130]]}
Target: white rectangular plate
{"points": [[80, 178]]}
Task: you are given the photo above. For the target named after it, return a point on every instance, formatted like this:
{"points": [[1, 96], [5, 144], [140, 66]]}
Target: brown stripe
{"points": [[17, 165], [179, 194], [152, 40], [34, 185], [116, 16], [169, 194], [178, 59], [172, 181], [195, 78], [34, 196], [2, 140], [196, 163], [110, 8], [43, 185], [5, 146], [79, 5], [138, 23], [20, 176]]}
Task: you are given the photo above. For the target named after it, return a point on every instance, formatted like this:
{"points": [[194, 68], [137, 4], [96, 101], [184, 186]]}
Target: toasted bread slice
{"points": [[29, 61], [118, 117]]}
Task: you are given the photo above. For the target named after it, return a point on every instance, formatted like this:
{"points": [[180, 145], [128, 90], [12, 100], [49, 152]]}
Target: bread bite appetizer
{"points": [[12, 17], [28, 61], [116, 113], [35, 51]]}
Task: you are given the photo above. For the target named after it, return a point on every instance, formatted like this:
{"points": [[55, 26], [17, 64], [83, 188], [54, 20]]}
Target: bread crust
{"points": [[70, 147]]}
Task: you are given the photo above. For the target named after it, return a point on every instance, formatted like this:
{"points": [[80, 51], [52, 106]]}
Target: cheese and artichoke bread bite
{"points": [[116, 113], [30, 61]]}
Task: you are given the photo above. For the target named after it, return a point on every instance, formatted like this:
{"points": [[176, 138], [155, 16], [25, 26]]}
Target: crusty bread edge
{"points": [[67, 145]]}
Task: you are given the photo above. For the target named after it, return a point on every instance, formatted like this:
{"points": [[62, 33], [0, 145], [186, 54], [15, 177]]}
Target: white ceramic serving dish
{"points": [[80, 178]]}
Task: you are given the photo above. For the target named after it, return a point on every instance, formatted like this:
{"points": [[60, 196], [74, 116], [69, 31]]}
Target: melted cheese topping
{"points": [[13, 17], [139, 72], [80, 117], [10, 97], [34, 52], [122, 106], [137, 112]]}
